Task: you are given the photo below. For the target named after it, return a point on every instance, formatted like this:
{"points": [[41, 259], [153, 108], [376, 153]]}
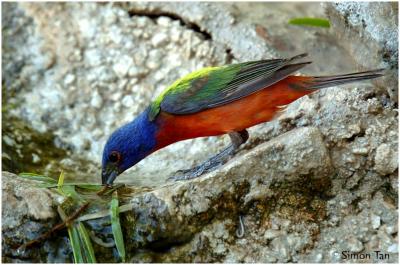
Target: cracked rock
{"points": [[386, 159], [320, 178]]}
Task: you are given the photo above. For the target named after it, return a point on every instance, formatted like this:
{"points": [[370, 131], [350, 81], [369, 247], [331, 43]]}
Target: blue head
{"points": [[127, 146]]}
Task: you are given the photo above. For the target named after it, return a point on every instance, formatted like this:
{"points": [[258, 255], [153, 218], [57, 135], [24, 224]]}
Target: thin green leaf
{"points": [[37, 177], [116, 226], [75, 244], [88, 186], [60, 182], [74, 239], [85, 186], [69, 191], [87, 243], [104, 213], [309, 21]]}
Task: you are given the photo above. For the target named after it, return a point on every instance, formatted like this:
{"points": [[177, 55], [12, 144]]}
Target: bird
{"points": [[214, 101]]}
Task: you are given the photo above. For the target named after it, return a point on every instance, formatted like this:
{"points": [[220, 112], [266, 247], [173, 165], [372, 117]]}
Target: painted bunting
{"points": [[214, 101]]}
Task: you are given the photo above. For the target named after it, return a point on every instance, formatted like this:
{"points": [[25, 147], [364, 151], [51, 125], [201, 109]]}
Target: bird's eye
{"points": [[114, 157]]}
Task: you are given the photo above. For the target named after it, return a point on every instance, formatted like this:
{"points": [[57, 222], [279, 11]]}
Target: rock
{"points": [[24, 200], [123, 65], [354, 245], [93, 57], [69, 79], [270, 234], [386, 159], [35, 158], [8, 140], [281, 249], [159, 39], [96, 100], [106, 60], [393, 248], [164, 21], [175, 34], [318, 257], [27, 211], [213, 20], [391, 229], [375, 221], [127, 101], [320, 173], [152, 210], [370, 32], [186, 199], [134, 71]]}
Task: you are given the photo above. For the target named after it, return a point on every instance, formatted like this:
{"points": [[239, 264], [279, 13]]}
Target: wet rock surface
{"points": [[318, 180], [27, 212], [25, 149]]}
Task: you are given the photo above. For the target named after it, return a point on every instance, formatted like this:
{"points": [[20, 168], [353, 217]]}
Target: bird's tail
{"points": [[318, 82]]}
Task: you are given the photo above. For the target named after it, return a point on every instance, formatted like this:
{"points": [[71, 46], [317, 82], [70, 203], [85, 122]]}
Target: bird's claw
{"points": [[197, 171], [186, 171], [207, 166]]}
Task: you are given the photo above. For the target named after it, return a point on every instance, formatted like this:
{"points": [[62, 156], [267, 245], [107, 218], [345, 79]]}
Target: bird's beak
{"points": [[109, 174]]}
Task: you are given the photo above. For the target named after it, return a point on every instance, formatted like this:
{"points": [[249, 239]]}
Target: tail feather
{"points": [[318, 82], [294, 58], [287, 70]]}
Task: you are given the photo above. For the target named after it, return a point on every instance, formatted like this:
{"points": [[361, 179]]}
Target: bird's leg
{"points": [[237, 139]]}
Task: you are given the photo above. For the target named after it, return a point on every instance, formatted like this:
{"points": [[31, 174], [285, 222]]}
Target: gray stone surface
{"points": [[319, 179], [23, 200], [91, 68], [212, 19], [243, 185], [350, 210], [370, 31], [100, 75], [27, 212], [294, 205]]}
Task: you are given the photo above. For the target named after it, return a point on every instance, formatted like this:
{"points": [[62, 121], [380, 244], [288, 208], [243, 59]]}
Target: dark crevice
{"points": [[229, 55], [354, 136], [154, 14], [369, 95], [388, 190], [355, 203]]}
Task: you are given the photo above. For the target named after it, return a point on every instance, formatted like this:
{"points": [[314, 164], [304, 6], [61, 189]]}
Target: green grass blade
{"points": [[69, 191], [116, 226], [37, 177], [308, 21], [87, 243], [81, 185], [60, 183], [88, 186], [75, 244]]}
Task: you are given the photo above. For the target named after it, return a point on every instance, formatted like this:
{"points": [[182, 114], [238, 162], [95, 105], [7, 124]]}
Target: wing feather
{"points": [[216, 86]]}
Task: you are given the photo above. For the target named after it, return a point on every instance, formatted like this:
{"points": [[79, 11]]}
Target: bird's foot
{"points": [[187, 174], [208, 166]]}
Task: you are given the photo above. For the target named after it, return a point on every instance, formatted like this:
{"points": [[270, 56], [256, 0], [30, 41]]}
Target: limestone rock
{"points": [[320, 178], [369, 30]]}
